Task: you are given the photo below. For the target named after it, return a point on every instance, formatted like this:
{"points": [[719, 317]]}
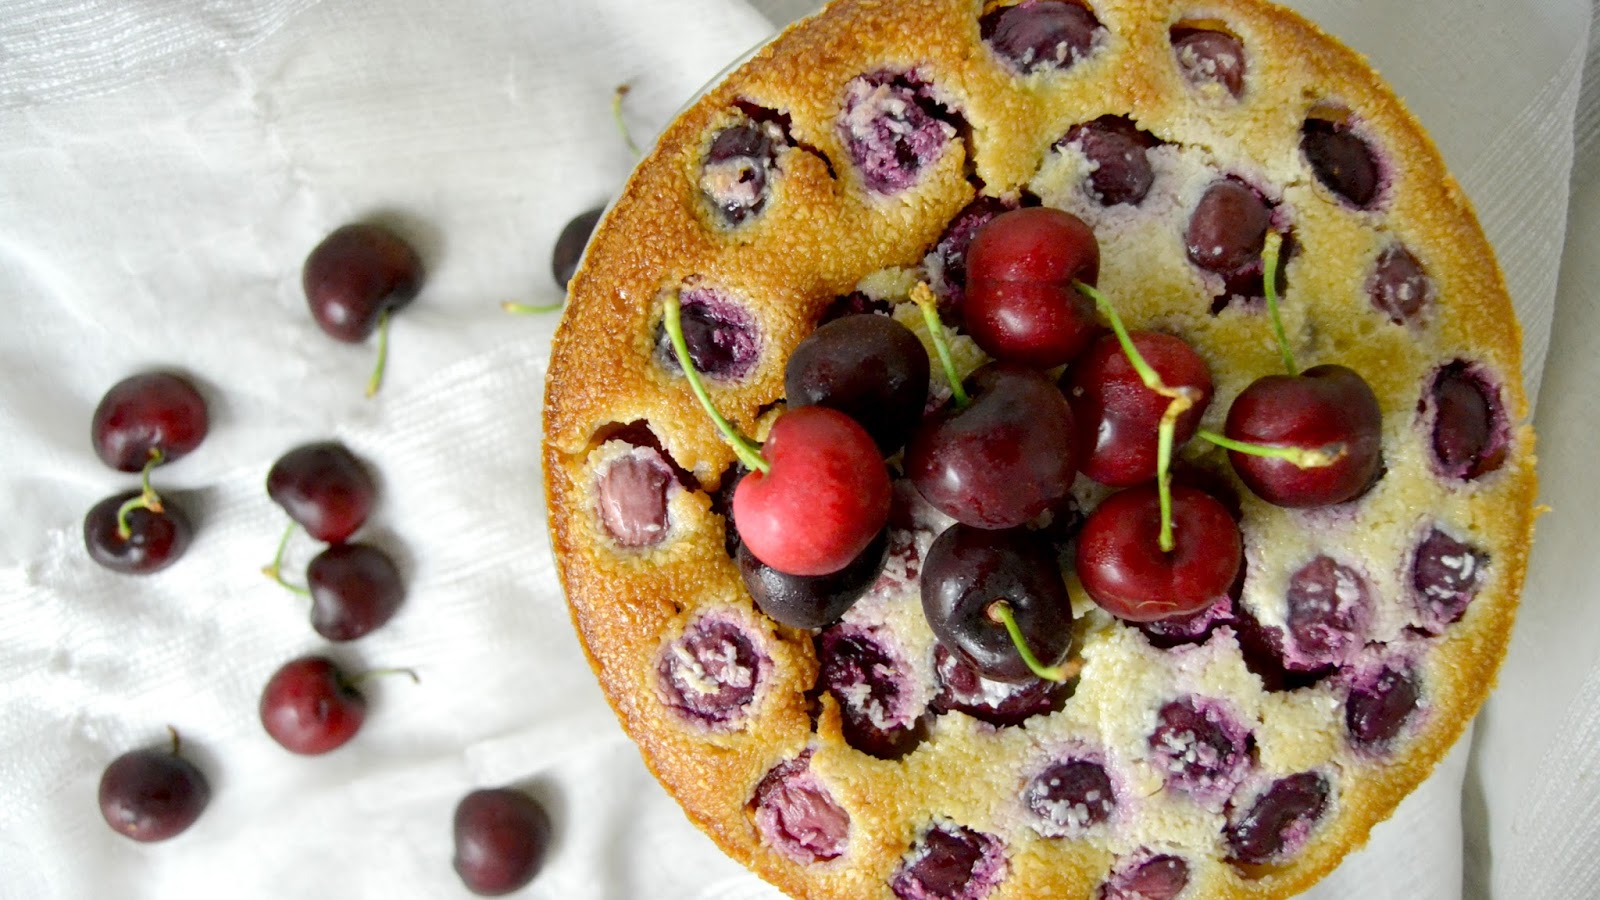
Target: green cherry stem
{"points": [[1000, 611], [523, 309], [747, 450], [1302, 457], [274, 569], [174, 732], [616, 115], [380, 673], [1181, 400], [922, 296], [1269, 280], [147, 498], [376, 380]]}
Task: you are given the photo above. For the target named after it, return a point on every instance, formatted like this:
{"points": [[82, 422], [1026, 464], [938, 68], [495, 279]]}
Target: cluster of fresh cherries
{"points": [[353, 279], [1001, 455]]}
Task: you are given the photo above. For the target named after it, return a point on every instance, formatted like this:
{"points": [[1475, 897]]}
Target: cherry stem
{"points": [[147, 498], [274, 570], [376, 380], [616, 115], [1181, 400], [512, 306], [174, 732], [379, 673], [1269, 282], [923, 298], [1302, 457], [748, 451], [1000, 611]]}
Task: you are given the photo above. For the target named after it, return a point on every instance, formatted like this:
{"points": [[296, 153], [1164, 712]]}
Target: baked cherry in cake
{"points": [[1207, 667]]}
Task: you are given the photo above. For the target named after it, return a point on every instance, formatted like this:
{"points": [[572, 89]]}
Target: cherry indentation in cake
{"points": [[1378, 708], [1070, 797], [1194, 628], [738, 167], [1470, 434], [1329, 606], [873, 686], [946, 263], [722, 336], [631, 492], [1279, 821], [893, 129], [1207, 57], [950, 862], [711, 673], [1000, 703], [1341, 160], [1228, 227], [1117, 149], [1445, 574], [1398, 286], [1146, 877], [797, 815], [1263, 651], [853, 304], [1203, 750], [1040, 34]]}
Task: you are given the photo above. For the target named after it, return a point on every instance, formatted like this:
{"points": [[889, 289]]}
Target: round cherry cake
{"points": [[1059, 448]]}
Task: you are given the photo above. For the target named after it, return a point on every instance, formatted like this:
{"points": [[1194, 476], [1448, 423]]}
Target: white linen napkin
{"points": [[164, 168]]}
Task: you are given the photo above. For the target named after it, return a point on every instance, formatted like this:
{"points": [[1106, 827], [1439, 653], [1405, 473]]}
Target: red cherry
{"points": [[824, 499], [310, 707], [358, 273], [1116, 416], [143, 415], [1021, 305], [1326, 407], [1122, 567]]}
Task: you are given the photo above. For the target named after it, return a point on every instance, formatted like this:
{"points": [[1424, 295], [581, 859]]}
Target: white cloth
{"points": [[165, 166]]}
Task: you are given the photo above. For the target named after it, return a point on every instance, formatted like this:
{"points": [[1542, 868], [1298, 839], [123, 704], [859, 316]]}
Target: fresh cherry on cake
{"points": [[125, 534], [1022, 304], [501, 837], [1123, 568], [324, 488], [153, 794], [811, 601], [869, 367], [355, 278], [310, 706], [355, 588], [1118, 418], [147, 420]]}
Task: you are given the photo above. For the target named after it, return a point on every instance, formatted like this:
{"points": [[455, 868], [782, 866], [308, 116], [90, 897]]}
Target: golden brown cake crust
{"points": [[823, 231]]}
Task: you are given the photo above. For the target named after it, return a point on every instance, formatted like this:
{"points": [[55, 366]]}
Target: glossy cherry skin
{"points": [[569, 246], [310, 707], [1122, 566], [1327, 406], [824, 500], [152, 794], [355, 588], [1021, 304], [811, 601], [356, 274], [868, 367], [154, 541], [501, 837], [157, 411], [325, 488], [1117, 417], [1002, 460]]}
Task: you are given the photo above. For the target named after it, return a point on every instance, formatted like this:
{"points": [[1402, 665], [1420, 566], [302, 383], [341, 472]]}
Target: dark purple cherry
{"points": [[153, 794], [355, 588], [1265, 655], [811, 601], [1398, 285], [893, 128], [1003, 459], [1325, 408], [1202, 749], [723, 339], [1143, 877], [1445, 574], [1469, 432], [1328, 609], [1117, 417], [869, 367], [968, 570], [1117, 148], [501, 837], [324, 488], [950, 862], [1208, 57], [143, 415], [154, 540], [1040, 34], [1341, 160], [1000, 703], [1277, 824], [358, 273], [710, 674], [797, 814], [738, 167], [1125, 571], [1228, 227], [873, 686], [310, 706], [1377, 711], [1070, 797], [568, 251], [631, 494]]}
